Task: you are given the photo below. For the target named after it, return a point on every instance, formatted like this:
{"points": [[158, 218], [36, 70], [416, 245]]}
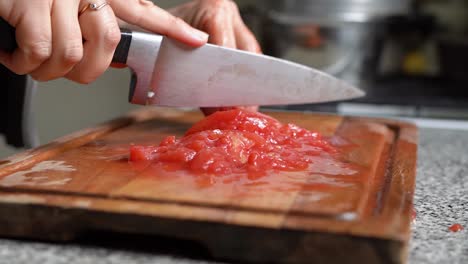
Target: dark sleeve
{"points": [[12, 96]]}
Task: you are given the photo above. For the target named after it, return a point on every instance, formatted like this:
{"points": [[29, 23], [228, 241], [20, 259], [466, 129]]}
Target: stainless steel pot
{"points": [[346, 29]]}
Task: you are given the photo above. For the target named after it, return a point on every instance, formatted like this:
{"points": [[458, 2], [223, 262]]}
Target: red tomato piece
{"points": [[237, 119], [237, 141], [456, 228], [141, 153]]}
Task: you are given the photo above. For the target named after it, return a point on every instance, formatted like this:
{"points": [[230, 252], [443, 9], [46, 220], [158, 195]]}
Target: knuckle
{"points": [[112, 37], [39, 50], [73, 53]]}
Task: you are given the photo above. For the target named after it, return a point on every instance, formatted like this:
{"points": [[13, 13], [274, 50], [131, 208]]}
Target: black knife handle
{"points": [[8, 42], [7, 37], [121, 52]]}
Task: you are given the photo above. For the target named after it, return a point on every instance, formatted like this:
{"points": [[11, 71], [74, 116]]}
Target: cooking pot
{"points": [[332, 35]]}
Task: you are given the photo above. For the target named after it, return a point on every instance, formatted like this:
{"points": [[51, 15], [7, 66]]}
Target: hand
{"points": [[222, 21], [50, 35]]}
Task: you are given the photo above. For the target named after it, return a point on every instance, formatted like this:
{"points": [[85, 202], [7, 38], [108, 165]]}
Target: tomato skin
{"points": [[237, 141]]}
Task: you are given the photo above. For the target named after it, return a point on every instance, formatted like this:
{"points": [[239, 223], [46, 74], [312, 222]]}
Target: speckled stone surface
{"points": [[441, 200]]}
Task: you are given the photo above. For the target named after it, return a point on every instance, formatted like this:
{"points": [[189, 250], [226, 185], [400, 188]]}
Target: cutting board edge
{"points": [[398, 207], [64, 203], [287, 246]]}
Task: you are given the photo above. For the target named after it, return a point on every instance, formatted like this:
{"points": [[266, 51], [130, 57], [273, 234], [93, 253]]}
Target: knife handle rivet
{"points": [[150, 94]]}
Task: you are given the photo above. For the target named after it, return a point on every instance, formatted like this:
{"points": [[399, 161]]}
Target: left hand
{"points": [[50, 35], [222, 21]]}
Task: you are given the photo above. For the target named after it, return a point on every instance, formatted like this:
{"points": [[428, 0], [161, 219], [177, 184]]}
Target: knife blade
{"points": [[168, 73]]}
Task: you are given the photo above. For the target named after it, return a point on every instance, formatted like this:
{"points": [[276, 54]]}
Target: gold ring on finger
{"points": [[92, 6]]}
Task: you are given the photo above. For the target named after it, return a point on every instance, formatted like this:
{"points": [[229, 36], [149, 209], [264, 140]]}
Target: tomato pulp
{"points": [[236, 141]]}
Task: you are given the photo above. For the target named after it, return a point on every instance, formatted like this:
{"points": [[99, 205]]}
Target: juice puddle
{"points": [[39, 175]]}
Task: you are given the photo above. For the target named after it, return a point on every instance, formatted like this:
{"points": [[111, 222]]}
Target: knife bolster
{"points": [[141, 59]]}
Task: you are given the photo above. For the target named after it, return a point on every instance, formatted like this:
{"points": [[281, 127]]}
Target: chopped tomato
{"points": [[139, 153], [239, 120], [237, 141]]}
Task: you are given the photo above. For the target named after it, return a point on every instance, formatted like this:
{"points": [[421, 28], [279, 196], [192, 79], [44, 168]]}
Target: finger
{"points": [[245, 39], [220, 28], [231, 38], [145, 14], [67, 43], [33, 36], [102, 34]]}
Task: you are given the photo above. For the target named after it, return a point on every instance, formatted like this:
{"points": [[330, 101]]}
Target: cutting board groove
{"points": [[358, 210]]}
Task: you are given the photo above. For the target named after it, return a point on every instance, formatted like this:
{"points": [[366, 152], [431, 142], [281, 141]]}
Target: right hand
{"points": [[50, 35], [222, 21]]}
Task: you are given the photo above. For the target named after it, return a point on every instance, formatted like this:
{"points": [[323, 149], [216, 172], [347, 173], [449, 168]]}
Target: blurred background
{"points": [[409, 56]]}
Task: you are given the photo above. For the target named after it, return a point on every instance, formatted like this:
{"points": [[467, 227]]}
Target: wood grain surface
{"points": [[349, 210]]}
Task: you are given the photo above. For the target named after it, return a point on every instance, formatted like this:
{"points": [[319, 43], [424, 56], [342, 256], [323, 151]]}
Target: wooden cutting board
{"points": [[354, 211]]}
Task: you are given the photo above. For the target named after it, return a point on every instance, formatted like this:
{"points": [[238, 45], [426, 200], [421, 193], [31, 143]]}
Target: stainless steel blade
{"points": [[217, 76]]}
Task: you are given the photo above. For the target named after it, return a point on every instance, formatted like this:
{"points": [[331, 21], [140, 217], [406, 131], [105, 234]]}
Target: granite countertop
{"points": [[441, 199]]}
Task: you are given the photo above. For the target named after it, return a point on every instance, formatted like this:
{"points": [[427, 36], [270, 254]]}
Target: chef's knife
{"points": [[169, 73]]}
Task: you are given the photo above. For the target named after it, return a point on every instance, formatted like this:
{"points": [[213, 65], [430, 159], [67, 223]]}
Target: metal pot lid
{"points": [[333, 11]]}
